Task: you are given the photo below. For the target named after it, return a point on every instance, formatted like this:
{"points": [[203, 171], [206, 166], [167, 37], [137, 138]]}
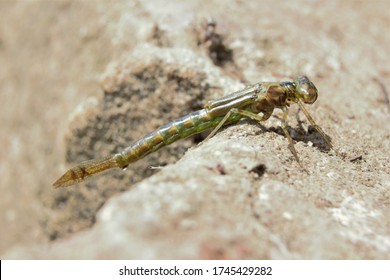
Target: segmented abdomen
{"points": [[183, 127]]}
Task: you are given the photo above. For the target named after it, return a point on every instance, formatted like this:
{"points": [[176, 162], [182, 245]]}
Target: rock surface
{"points": [[240, 195]]}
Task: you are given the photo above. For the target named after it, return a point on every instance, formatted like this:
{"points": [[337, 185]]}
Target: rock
{"points": [[240, 195], [142, 91], [210, 204]]}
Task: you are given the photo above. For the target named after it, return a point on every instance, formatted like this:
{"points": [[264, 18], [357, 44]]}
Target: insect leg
{"points": [[221, 123], [243, 113], [316, 127], [290, 141]]}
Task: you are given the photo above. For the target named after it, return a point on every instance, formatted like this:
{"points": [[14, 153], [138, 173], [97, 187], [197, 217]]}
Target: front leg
{"points": [[317, 127], [290, 141]]}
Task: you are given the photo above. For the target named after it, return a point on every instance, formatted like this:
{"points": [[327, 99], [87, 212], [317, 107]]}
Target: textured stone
{"points": [[239, 195]]}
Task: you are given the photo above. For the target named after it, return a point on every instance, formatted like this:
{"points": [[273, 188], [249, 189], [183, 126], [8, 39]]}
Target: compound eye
{"points": [[306, 91]]}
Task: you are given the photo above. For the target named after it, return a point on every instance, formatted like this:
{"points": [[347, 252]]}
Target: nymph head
{"points": [[305, 90]]}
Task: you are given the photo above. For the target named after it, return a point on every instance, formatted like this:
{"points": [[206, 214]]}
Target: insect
{"points": [[255, 102]]}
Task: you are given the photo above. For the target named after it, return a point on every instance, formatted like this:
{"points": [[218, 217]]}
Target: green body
{"points": [[250, 102], [191, 124]]}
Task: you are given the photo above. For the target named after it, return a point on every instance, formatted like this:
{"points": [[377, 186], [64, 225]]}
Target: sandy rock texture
{"points": [[240, 195]]}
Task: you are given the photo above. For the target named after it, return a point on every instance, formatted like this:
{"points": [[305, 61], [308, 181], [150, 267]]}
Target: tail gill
{"points": [[84, 170]]}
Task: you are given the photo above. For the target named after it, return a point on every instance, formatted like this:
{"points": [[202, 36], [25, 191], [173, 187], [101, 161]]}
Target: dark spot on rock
{"points": [[219, 168], [356, 158], [259, 169], [198, 138]]}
